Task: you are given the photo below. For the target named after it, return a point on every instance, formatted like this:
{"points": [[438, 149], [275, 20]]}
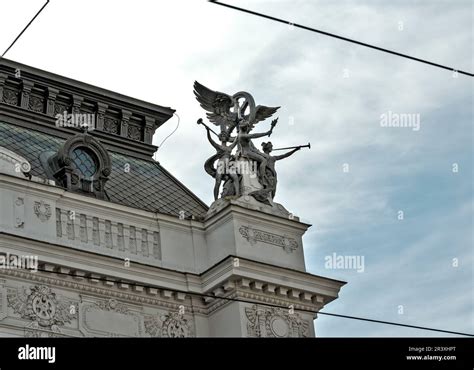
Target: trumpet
{"points": [[295, 147]]}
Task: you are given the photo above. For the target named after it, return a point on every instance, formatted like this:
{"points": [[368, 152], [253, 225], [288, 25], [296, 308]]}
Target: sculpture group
{"points": [[245, 170]]}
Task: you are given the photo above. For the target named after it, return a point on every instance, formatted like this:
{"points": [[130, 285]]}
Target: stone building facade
{"points": [[122, 247]]}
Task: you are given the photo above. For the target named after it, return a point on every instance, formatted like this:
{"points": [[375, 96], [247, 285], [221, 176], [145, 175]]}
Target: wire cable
{"points": [[172, 132], [341, 38], [24, 29]]}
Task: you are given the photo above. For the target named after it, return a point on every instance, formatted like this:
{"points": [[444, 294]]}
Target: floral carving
{"points": [[10, 97], [274, 322], [60, 108], [41, 305], [42, 211], [112, 305], [36, 104], [255, 235], [134, 133], [171, 325], [111, 125]]}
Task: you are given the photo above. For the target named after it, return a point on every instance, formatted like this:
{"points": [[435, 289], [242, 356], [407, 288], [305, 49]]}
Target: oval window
{"points": [[84, 161]]}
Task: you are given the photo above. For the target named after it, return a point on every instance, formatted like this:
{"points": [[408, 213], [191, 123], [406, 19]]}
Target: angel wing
{"points": [[216, 103], [18, 300], [251, 314], [262, 113], [304, 328]]}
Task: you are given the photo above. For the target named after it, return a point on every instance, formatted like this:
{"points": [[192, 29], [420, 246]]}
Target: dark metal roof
{"points": [[147, 185]]}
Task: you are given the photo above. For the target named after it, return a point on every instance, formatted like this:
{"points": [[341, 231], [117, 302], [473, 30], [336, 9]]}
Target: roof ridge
{"points": [[181, 185]]}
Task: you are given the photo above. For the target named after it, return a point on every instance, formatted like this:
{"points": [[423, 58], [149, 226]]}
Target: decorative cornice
{"points": [[141, 296], [34, 99], [247, 292], [233, 287]]}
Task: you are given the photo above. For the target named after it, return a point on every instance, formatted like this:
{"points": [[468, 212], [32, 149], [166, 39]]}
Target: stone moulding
{"points": [[108, 234], [109, 318], [13, 164], [90, 284], [247, 289]]}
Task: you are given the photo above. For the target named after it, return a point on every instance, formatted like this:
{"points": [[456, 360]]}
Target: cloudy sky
{"points": [[417, 270]]}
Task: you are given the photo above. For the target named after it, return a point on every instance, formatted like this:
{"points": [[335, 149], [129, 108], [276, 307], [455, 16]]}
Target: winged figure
{"points": [[217, 104], [230, 111], [238, 111], [40, 304]]}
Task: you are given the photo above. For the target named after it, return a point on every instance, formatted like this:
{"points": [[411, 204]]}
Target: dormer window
{"points": [[82, 164]]}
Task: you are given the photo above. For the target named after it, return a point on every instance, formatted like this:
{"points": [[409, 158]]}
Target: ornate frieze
{"points": [[111, 125], [254, 235], [275, 322], [134, 132], [136, 294], [41, 305], [104, 233], [36, 104], [170, 325], [10, 96], [60, 108]]}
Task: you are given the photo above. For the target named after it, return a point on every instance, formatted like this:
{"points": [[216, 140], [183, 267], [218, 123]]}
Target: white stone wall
{"points": [[111, 270]]}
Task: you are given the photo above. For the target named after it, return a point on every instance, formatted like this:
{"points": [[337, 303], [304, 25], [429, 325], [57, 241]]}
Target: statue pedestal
{"points": [[244, 227], [255, 254]]}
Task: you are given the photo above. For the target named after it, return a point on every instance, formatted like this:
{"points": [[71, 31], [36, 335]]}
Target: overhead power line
{"points": [[24, 29], [266, 16], [103, 279], [172, 132]]}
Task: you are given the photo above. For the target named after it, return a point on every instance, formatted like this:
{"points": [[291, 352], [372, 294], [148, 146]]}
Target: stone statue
{"points": [[267, 168], [239, 112], [246, 148], [224, 158]]}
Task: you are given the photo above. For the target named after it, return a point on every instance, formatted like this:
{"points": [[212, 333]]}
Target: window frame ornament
{"points": [[71, 177]]}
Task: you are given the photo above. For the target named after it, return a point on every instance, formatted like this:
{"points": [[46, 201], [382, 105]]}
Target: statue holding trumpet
{"points": [[249, 171]]}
